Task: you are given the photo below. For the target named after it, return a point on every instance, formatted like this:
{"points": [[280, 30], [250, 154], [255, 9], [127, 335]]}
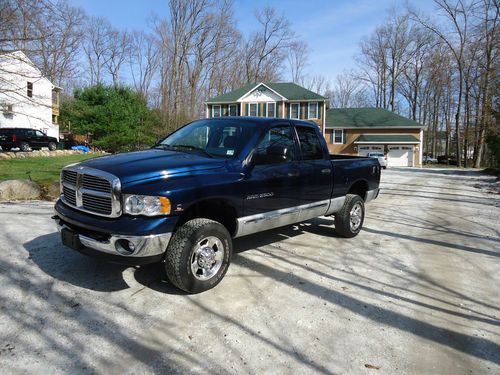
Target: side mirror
{"points": [[273, 155]]}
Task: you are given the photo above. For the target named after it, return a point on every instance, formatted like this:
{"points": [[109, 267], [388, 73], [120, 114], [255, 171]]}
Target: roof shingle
{"points": [[289, 90], [346, 118]]}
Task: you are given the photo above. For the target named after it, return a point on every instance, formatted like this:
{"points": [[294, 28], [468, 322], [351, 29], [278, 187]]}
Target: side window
{"points": [[275, 140], [309, 143], [39, 133]]}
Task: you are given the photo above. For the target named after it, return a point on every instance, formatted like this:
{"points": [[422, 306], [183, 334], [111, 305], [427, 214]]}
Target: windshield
{"points": [[210, 137]]}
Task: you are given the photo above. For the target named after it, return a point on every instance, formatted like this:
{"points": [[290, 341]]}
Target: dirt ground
{"points": [[416, 292]]}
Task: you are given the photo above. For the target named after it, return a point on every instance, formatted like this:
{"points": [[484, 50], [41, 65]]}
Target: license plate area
{"points": [[71, 239]]}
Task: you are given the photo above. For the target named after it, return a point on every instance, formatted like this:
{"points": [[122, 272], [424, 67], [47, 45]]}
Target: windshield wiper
{"points": [[194, 148]]}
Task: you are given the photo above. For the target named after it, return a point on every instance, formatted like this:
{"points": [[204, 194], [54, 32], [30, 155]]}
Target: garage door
{"points": [[364, 150], [400, 156]]}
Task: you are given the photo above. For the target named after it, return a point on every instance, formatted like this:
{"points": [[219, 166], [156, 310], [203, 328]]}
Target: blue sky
{"points": [[332, 29]]}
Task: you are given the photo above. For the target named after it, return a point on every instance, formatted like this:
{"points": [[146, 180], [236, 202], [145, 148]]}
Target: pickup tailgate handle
{"points": [[326, 171]]}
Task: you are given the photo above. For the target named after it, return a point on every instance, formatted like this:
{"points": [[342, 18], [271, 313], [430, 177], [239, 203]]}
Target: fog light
{"points": [[125, 247]]}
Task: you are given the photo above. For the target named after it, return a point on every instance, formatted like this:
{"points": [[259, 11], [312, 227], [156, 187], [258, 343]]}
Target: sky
{"points": [[332, 29]]}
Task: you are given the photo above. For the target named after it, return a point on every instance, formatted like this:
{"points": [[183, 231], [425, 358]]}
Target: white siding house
{"points": [[27, 99]]}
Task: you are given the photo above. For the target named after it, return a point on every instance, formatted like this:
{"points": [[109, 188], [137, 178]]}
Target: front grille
{"points": [[69, 195], [96, 183], [97, 204], [91, 190], [69, 177]]}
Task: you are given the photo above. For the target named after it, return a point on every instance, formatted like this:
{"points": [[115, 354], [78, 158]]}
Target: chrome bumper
{"points": [[144, 246], [371, 195]]}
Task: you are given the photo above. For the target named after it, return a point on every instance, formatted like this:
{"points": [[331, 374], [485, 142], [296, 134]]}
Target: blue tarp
{"points": [[85, 149]]}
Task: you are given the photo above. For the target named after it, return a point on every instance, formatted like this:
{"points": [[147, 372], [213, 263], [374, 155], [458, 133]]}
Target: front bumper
{"points": [[145, 246]]}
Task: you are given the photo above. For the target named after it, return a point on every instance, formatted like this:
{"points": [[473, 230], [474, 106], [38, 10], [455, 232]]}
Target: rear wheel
{"points": [[198, 255], [24, 146], [52, 146], [349, 220]]}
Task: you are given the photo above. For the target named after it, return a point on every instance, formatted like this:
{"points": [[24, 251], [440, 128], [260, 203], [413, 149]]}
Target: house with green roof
{"points": [[359, 131], [284, 100], [352, 131]]}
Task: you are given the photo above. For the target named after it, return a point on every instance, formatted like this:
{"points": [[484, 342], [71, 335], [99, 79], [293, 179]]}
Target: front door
{"points": [[270, 189]]}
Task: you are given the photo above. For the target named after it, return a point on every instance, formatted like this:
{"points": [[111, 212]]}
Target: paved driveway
{"points": [[416, 292]]}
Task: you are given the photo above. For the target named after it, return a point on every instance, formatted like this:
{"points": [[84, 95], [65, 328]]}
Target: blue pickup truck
{"points": [[184, 200]]}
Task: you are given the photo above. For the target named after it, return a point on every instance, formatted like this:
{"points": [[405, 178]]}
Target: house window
{"points": [[30, 89], [216, 111], [252, 109], [337, 136], [295, 110], [313, 110], [233, 110], [271, 109]]}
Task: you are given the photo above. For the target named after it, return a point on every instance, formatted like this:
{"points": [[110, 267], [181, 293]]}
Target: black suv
{"points": [[25, 139]]}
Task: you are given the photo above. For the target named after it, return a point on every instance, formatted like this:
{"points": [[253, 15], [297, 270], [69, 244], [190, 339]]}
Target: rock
{"points": [[53, 190], [4, 156], [19, 190]]}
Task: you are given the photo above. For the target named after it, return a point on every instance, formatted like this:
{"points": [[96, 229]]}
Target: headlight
{"points": [[146, 205]]}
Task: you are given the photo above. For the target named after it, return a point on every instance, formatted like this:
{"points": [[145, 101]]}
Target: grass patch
{"points": [[42, 170]]}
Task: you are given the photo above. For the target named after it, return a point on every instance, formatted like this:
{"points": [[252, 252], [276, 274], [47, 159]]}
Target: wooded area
{"points": [[439, 69]]}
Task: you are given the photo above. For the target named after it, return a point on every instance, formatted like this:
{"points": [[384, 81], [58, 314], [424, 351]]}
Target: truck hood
{"points": [[152, 164]]}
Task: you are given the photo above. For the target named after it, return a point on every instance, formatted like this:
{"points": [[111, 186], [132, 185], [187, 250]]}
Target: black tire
{"points": [[343, 217], [384, 167], [183, 249], [24, 147], [52, 146]]}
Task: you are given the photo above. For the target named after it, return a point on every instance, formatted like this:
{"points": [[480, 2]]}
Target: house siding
{"points": [[353, 134]]}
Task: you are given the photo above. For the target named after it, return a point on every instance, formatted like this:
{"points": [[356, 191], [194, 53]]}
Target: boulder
{"points": [[53, 191], [4, 156], [19, 190]]}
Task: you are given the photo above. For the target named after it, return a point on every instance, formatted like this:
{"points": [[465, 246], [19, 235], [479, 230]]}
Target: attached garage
{"points": [[401, 150], [400, 156]]}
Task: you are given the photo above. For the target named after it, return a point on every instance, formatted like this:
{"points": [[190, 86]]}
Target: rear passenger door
{"points": [[316, 172]]}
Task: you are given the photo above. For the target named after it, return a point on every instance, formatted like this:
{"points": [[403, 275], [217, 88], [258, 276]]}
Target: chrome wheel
{"points": [[207, 258], [356, 216]]}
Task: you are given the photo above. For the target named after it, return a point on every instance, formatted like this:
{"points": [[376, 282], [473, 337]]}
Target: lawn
{"points": [[42, 170]]}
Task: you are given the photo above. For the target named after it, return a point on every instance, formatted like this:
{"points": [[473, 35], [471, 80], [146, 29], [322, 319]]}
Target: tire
{"points": [[190, 252], [343, 223], [52, 146], [384, 167], [24, 147]]}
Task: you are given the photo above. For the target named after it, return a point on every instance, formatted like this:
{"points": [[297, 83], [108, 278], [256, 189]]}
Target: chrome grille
{"points": [[69, 177], [96, 183], [69, 195], [93, 203], [91, 190]]}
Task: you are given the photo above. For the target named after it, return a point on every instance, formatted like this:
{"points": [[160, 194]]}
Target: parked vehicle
{"points": [[183, 201], [445, 159], [25, 139], [429, 160], [382, 159]]}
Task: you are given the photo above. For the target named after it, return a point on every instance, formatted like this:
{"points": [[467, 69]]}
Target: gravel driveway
{"points": [[416, 292]]}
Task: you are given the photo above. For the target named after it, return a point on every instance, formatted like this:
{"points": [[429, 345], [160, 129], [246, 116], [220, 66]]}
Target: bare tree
{"points": [[297, 59], [96, 48], [266, 48]]}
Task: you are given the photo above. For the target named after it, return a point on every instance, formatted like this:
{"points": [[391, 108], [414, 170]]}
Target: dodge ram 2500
{"points": [[184, 200]]}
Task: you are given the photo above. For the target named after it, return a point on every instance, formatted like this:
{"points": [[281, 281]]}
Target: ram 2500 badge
{"points": [[183, 201]]}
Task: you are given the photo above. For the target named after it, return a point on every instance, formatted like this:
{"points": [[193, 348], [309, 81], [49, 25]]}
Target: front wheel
{"points": [[349, 220], [198, 255], [24, 146], [52, 146]]}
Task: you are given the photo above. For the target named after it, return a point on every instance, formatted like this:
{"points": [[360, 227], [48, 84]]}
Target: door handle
{"points": [[326, 171], [294, 174]]}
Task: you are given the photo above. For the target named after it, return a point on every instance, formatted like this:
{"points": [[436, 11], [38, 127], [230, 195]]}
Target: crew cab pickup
{"points": [[184, 200]]}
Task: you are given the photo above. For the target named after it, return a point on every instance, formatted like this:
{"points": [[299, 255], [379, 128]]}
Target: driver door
{"points": [[270, 187]]}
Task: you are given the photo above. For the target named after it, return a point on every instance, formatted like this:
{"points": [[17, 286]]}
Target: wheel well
{"points": [[214, 209], [359, 188]]}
